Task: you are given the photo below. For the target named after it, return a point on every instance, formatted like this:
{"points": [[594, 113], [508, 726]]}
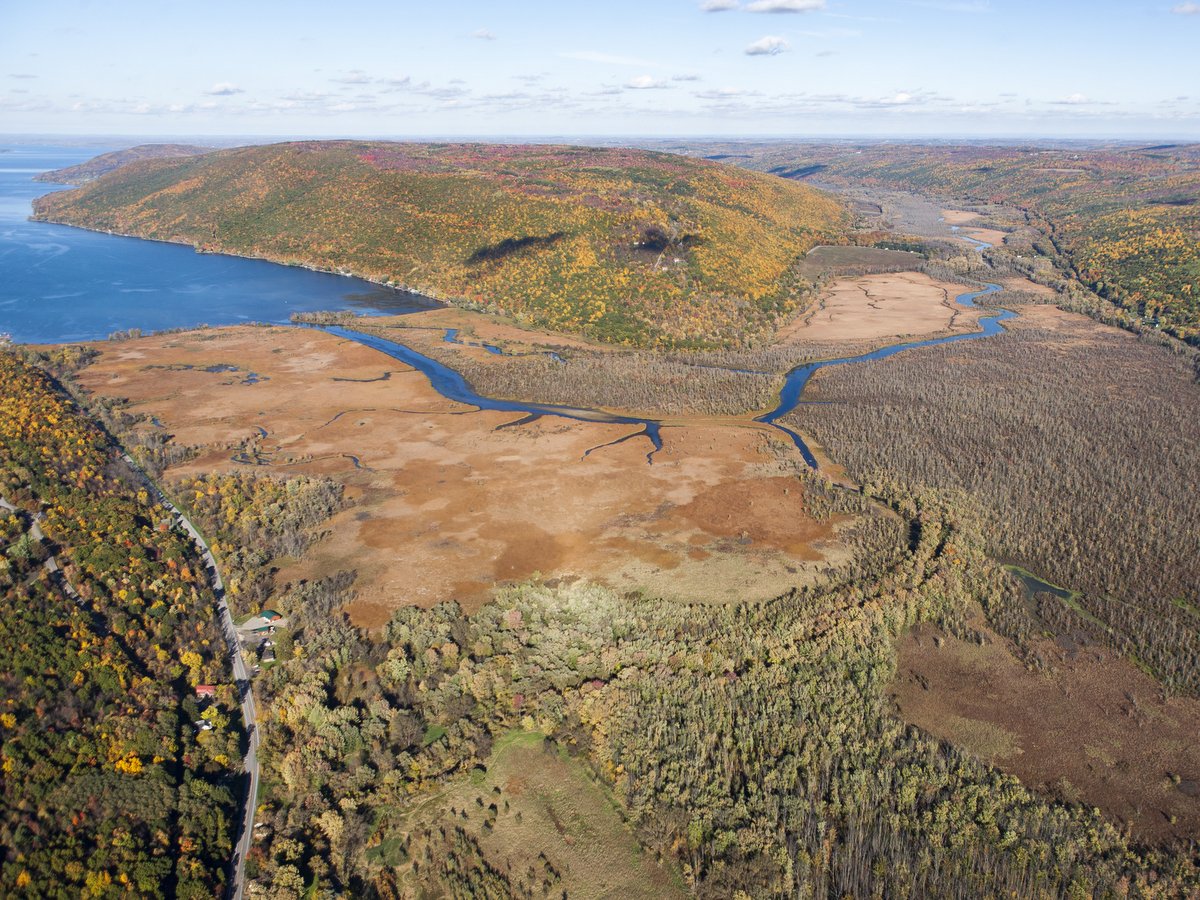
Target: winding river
{"points": [[61, 284], [797, 379], [453, 386]]}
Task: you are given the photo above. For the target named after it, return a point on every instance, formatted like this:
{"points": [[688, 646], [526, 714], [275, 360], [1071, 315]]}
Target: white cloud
{"points": [[306, 97], [771, 45], [723, 94], [1186, 9], [356, 76], [610, 59], [685, 78], [483, 34], [224, 89], [900, 98], [785, 6], [645, 83], [1074, 99], [718, 5]]}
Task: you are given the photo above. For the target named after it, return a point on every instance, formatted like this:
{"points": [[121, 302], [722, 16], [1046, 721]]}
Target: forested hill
{"points": [[1127, 217], [625, 245], [115, 778], [108, 162]]}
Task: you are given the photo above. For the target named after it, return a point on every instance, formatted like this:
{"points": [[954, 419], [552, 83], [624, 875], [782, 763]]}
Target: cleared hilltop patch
{"points": [[626, 246], [109, 162], [544, 820]]}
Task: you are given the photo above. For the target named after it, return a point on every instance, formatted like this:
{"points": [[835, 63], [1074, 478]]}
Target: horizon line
{"points": [[609, 136]]}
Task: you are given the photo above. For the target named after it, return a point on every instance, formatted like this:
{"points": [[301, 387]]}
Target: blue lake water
{"points": [[61, 284]]}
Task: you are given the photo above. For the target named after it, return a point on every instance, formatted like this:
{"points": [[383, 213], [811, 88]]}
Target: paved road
{"points": [[241, 677], [240, 673]]}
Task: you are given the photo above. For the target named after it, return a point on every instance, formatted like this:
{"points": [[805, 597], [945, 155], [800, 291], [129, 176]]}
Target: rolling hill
{"points": [[1126, 217], [627, 246], [109, 162]]}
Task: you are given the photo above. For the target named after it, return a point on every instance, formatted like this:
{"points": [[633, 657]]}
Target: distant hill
{"points": [[1127, 218], [107, 162], [624, 245]]}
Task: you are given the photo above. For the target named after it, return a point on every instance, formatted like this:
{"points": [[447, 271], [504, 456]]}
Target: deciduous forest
{"points": [[626, 246], [739, 749], [111, 786]]}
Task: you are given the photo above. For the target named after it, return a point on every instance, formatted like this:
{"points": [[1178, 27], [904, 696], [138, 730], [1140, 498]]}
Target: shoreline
{"points": [[342, 273]]}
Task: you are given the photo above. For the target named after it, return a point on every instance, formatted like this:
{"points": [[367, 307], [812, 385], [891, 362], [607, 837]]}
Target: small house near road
{"points": [[206, 691], [264, 623]]}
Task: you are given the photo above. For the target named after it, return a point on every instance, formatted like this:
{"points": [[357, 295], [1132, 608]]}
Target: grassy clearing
{"points": [[825, 259], [1187, 607], [433, 734], [539, 816]]}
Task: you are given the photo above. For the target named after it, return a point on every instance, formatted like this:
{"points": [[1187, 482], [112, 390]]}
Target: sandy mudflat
{"points": [[962, 217], [873, 307], [446, 503]]}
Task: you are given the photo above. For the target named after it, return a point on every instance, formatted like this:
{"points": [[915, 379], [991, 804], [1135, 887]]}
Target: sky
{"points": [[738, 68]]}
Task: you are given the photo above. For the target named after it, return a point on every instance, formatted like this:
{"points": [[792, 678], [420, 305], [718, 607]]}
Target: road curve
{"points": [[241, 675]]}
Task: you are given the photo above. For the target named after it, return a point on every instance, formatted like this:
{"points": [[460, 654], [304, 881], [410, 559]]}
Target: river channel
{"points": [[61, 284]]}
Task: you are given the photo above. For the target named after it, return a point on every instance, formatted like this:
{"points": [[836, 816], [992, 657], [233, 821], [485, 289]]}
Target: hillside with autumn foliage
{"points": [[115, 778], [1125, 219], [109, 162], [626, 246]]}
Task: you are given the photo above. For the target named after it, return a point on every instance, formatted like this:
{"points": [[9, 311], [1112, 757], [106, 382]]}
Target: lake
{"points": [[60, 284]]}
